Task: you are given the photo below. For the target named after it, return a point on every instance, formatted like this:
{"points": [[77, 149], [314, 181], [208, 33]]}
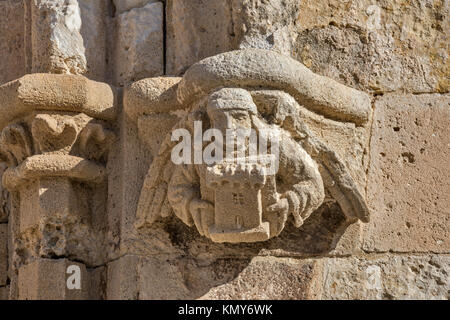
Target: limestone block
{"points": [[46, 279], [94, 22], [140, 41], [53, 36], [57, 92], [3, 254], [387, 277], [54, 221], [379, 46], [408, 178], [12, 45], [196, 29], [4, 293], [57, 44], [122, 278], [159, 279], [266, 24], [43, 200], [125, 5], [244, 278], [4, 198], [143, 119], [97, 283], [272, 278], [150, 128], [151, 95]]}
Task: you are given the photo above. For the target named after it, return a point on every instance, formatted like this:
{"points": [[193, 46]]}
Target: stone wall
{"points": [[395, 52]]}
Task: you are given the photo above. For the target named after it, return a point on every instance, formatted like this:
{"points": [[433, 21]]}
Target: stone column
{"points": [[56, 134]]}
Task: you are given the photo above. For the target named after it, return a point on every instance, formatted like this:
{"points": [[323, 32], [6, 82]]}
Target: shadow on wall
{"points": [[208, 270]]}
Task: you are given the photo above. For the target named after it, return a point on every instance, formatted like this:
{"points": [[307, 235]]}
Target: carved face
{"points": [[230, 119]]}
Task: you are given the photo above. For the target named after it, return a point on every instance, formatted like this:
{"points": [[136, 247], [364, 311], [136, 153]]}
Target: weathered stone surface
{"points": [[97, 283], [139, 47], [94, 28], [122, 278], [3, 254], [160, 279], [12, 40], [46, 279], [263, 68], [55, 221], [53, 36], [59, 93], [378, 46], [125, 5], [408, 179], [382, 46], [266, 24], [387, 277], [152, 95], [272, 278], [245, 278], [58, 210], [4, 198], [57, 44], [4, 293], [196, 29]]}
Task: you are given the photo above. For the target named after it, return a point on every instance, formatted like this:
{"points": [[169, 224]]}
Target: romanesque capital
{"points": [[56, 132]]}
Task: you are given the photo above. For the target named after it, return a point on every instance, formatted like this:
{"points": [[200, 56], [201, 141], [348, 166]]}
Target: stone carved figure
{"points": [[226, 201], [239, 202]]}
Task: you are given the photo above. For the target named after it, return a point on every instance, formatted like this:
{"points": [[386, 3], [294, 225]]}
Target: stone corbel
{"points": [[321, 121], [56, 131]]}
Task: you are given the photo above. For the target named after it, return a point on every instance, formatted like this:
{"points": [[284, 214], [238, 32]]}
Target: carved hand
{"points": [[282, 207], [202, 213], [297, 203]]}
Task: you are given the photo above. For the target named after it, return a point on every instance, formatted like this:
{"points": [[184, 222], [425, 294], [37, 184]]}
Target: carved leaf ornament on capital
{"points": [[55, 139], [60, 127], [229, 202]]}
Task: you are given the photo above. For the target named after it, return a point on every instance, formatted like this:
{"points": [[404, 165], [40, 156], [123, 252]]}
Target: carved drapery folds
{"points": [[55, 136], [260, 90], [59, 145]]}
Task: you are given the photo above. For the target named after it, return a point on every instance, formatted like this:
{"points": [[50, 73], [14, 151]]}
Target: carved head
{"points": [[231, 108]]}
